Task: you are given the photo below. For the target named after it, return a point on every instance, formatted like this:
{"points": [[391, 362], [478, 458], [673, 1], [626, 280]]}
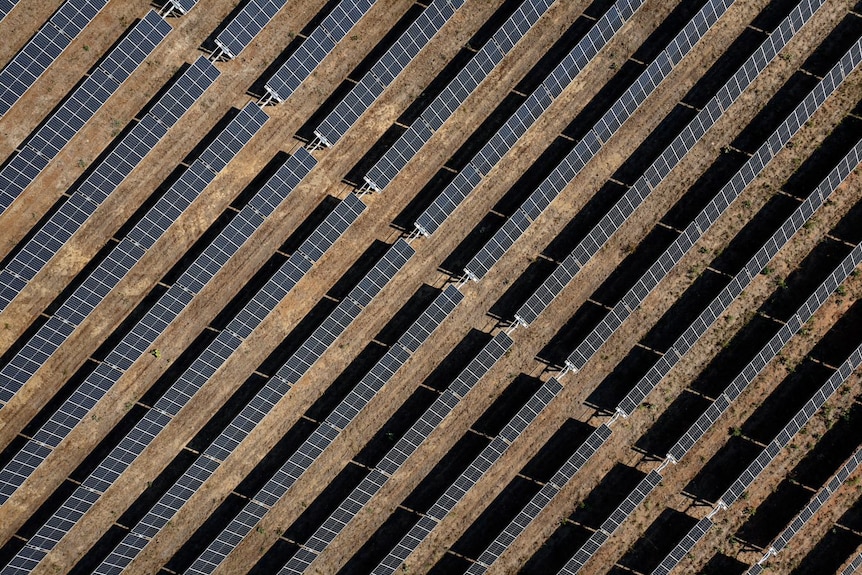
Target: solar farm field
{"points": [[434, 286]]}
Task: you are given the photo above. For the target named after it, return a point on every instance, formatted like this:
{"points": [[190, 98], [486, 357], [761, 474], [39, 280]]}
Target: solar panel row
{"points": [[376, 80], [453, 95], [247, 24], [208, 362], [525, 116], [468, 478], [44, 47], [341, 416], [600, 133], [796, 120], [769, 351], [104, 179], [253, 413], [540, 500], [308, 56], [772, 449], [100, 282], [651, 179], [403, 449], [81, 105]]}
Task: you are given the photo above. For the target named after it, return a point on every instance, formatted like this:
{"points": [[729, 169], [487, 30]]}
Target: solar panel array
{"points": [[653, 176], [469, 477], [753, 267], [746, 376], [540, 500], [769, 453], [44, 47], [612, 523], [387, 68], [455, 93], [526, 115], [243, 27], [600, 133], [107, 175], [253, 413], [201, 369], [77, 109], [403, 449], [100, 282], [322, 437], [317, 46], [684, 547], [627, 405]]}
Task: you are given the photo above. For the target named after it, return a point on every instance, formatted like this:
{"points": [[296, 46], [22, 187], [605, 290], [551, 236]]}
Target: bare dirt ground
{"points": [[229, 91]]}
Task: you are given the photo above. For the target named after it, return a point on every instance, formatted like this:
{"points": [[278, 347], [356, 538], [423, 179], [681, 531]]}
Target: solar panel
{"points": [[606, 127], [247, 24], [6, 6], [80, 106], [105, 177], [430, 319], [320, 42], [414, 38], [453, 95], [434, 216], [853, 566], [43, 48]]}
